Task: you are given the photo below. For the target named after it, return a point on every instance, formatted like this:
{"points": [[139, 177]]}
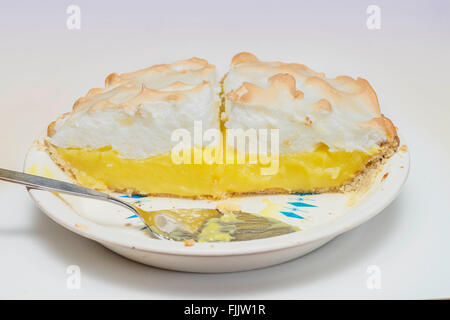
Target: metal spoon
{"points": [[176, 224], [160, 223]]}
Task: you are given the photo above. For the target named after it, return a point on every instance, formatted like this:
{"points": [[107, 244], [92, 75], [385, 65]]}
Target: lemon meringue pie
{"points": [[330, 132]]}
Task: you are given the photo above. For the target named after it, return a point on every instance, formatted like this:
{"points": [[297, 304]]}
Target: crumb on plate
{"points": [[189, 243], [81, 226]]}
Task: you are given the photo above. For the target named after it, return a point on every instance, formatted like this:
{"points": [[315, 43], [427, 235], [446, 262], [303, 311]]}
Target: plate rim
{"points": [[331, 230]]}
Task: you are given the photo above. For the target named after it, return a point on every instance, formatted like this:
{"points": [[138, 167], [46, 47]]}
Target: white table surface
{"points": [[45, 67]]}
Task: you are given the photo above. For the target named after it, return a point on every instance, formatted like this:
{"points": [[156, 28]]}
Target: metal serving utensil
{"points": [[176, 224]]}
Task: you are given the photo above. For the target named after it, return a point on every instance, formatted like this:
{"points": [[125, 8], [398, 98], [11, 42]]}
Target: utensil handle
{"points": [[42, 183]]}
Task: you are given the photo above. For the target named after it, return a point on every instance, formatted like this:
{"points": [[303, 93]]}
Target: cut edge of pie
{"points": [[185, 82]]}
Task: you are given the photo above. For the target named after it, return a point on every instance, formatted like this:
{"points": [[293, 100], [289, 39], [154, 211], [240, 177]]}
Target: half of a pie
{"points": [[312, 133]]}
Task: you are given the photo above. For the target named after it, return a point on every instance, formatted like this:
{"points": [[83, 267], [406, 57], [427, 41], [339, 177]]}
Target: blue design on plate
{"points": [[134, 201], [301, 204], [291, 215], [293, 206], [135, 196]]}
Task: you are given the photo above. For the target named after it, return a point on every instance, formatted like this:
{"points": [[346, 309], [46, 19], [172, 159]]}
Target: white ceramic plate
{"points": [[321, 217]]}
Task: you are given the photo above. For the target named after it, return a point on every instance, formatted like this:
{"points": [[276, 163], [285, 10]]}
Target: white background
{"points": [[45, 67]]}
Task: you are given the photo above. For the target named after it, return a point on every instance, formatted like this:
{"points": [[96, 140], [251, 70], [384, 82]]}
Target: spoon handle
{"points": [[42, 183], [47, 184]]}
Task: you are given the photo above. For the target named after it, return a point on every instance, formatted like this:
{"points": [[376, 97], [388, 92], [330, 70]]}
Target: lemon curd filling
{"points": [[105, 169]]}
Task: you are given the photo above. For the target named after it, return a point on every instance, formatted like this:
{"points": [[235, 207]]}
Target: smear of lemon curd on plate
{"points": [[240, 226], [105, 169], [218, 225]]}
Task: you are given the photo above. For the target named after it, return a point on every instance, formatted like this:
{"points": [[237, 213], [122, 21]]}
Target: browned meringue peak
{"points": [[188, 88], [190, 71], [281, 85], [181, 78], [180, 75], [277, 84], [132, 96]]}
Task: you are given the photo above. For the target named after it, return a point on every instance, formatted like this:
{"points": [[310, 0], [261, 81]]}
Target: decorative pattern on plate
{"points": [[300, 210], [320, 217]]}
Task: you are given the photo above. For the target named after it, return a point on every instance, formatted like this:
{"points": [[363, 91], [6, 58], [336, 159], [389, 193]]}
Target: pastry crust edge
{"points": [[361, 181]]}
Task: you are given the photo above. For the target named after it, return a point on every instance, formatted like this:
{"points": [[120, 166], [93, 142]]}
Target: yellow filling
{"points": [[306, 171]]}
